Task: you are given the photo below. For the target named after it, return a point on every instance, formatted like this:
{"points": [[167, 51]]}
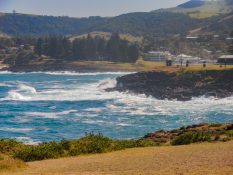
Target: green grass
{"points": [[229, 133], [191, 137], [95, 144], [90, 144], [8, 146]]}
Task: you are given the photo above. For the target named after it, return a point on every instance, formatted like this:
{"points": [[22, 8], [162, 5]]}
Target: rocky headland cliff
{"points": [[181, 85]]}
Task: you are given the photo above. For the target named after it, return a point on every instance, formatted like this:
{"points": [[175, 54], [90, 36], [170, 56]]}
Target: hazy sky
{"points": [[81, 8]]}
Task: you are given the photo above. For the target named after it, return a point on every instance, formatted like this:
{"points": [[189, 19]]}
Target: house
{"points": [[191, 37], [157, 56], [225, 59], [184, 58]]}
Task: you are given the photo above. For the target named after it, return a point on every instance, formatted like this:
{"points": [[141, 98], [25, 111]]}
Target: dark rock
{"points": [[180, 86]]}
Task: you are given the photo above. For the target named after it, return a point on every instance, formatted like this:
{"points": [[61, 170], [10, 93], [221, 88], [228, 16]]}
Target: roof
{"points": [[226, 57]]}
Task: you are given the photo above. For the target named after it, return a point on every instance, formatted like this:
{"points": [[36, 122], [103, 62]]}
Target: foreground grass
{"points": [[97, 143], [9, 164], [196, 159], [90, 144]]}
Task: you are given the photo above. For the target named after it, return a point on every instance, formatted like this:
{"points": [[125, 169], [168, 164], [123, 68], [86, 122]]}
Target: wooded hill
{"points": [[159, 23]]}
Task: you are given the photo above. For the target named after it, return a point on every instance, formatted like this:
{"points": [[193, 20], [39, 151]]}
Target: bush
{"points": [[229, 133], [191, 137], [40, 152], [215, 125], [9, 146], [91, 143], [123, 144]]}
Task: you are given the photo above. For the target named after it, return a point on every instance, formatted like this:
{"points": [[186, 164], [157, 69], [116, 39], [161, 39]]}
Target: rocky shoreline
{"points": [[216, 132], [182, 85]]}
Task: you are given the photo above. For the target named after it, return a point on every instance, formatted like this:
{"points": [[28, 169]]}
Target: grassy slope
{"points": [[197, 159], [107, 35], [209, 9]]}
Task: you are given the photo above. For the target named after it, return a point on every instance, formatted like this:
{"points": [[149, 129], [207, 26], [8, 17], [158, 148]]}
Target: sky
{"points": [[84, 8]]}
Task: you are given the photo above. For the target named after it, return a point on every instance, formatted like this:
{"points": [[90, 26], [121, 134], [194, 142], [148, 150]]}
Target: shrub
{"points": [[215, 125], [91, 143], [40, 152], [229, 133], [9, 146], [191, 137]]}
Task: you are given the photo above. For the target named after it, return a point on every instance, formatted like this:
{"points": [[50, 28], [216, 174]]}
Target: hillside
{"points": [[189, 16], [107, 36], [139, 24], [203, 8]]}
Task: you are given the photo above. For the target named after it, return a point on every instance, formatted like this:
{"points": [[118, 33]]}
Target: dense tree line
{"points": [[231, 46], [88, 48]]}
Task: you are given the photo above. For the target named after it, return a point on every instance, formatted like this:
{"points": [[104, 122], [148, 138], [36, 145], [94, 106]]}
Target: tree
{"points": [[231, 45], [113, 49], [39, 47], [133, 53], [96, 49]]}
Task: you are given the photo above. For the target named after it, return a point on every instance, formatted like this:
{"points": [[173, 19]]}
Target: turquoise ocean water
{"points": [[37, 107]]}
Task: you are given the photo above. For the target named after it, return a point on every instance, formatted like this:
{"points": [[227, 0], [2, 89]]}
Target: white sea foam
{"points": [[4, 84], [107, 83], [26, 140], [26, 88], [22, 93], [19, 130], [68, 73], [50, 115], [123, 124], [94, 109], [84, 74], [124, 103]]}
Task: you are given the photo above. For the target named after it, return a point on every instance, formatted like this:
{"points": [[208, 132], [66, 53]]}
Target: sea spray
{"points": [[56, 106]]}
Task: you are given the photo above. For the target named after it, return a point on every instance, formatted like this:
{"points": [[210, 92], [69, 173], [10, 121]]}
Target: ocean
{"points": [[50, 106]]}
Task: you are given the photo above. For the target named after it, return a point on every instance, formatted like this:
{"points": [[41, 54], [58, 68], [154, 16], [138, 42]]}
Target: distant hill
{"points": [[205, 15], [203, 8], [192, 4], [139, 24], [221, 25]]}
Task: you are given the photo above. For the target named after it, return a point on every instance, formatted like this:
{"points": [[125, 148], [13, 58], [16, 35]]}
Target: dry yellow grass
{"points": [[107, 35], [8, 164], [197, 159]]}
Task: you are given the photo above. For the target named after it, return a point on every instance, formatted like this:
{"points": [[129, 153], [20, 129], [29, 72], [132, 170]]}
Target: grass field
{"points": [[196, 159], [141, 65], [105, 66]]}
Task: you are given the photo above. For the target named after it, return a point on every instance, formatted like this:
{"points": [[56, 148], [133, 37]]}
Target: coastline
{"points": [[182, 85]]}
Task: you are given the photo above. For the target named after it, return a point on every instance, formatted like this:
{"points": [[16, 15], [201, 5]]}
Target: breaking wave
{"points": [[50, 107], [23, 92], [69, 73]]}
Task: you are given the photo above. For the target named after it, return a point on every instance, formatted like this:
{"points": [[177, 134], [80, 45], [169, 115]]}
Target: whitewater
{"points": [[50, 106]]}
